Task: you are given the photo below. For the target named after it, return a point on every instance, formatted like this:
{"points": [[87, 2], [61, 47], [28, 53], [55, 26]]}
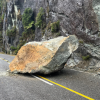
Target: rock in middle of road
{"points": [[44, 57]]}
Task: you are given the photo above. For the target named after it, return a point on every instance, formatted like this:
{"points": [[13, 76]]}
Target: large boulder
{"points": [[44, 57]]}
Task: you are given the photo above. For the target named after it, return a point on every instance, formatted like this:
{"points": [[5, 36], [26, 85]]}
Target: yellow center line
{"points": [[82, 95], [5, 60]]}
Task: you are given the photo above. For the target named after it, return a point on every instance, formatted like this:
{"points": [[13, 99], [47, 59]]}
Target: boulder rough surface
{"points": [[44, 57]]}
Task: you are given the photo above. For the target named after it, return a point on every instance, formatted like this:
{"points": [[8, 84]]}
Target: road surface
{"points": [[63, 85]]}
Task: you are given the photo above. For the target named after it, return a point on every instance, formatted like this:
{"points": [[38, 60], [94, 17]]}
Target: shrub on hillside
{"points": [[86, 57], [55, 27], [12, 32], [13, 48]]}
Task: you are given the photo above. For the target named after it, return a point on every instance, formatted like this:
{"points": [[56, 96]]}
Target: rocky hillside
{"points": [[39, 20]]}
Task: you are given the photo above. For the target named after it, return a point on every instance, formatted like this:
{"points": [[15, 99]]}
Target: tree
{"points": [[39, 18], [26, 18]]}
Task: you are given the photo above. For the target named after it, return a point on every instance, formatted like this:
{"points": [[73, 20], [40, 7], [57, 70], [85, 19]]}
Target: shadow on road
{"points": [[64, 72]]}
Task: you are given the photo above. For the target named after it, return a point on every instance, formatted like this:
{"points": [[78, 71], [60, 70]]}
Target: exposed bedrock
{"points": [[79, 17]]}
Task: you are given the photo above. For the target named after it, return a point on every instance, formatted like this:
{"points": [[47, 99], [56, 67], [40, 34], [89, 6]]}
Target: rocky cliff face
{"points": [[79, 17], [96, 7]]}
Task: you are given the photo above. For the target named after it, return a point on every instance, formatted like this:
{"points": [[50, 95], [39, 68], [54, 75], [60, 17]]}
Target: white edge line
{"points": [[42, 80], [84, 72]]}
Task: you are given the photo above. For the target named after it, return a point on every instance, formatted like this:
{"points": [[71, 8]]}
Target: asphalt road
{"points": [[63, 85]]}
